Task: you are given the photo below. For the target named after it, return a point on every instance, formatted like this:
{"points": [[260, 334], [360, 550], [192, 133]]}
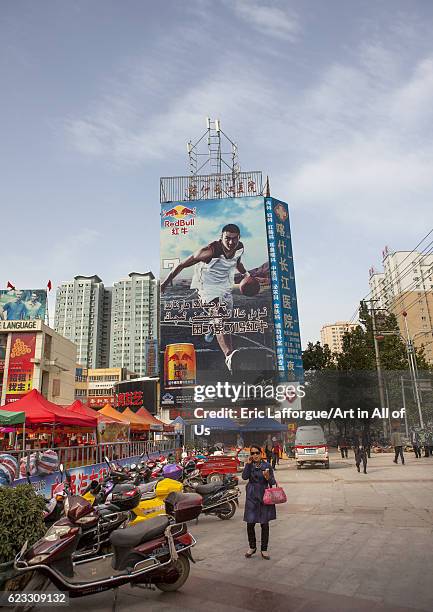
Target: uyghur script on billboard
{"points": [[23, 304], [217, 311]]}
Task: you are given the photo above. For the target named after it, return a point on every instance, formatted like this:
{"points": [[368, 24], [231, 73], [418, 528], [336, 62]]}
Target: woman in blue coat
{"points": [[260, 475]]}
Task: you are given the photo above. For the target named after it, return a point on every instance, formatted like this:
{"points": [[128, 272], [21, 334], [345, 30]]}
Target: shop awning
{"points": [[219, 424], [39, 410], [265, 425], [155, 424], [81, 408], [11, 418], [111, 412]]}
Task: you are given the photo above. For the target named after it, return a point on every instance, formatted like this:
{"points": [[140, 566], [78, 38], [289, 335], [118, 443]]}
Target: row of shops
{"points": [[48, 425]]}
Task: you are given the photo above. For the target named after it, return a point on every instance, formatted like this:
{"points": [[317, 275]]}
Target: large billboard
{"points": [[217, 307], [23, 304], [20, 367]]}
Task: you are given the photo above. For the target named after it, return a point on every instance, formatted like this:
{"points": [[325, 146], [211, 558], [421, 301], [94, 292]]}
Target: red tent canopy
{"points": [[82, 409], [155, 424], [39, 410]]}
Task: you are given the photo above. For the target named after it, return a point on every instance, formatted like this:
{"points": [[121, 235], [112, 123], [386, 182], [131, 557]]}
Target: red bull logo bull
{"points": [[183, 216]]}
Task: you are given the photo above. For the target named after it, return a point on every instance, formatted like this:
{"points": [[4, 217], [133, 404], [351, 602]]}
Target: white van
{"points": [[310, 446]]}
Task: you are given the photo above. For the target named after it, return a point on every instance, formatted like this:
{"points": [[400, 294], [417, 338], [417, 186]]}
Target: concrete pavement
{"points": [[344, 541]]}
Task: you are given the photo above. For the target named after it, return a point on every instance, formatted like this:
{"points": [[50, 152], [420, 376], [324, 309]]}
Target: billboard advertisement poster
{"points": [[23, 304], [287, 333], [20, 368], [216, 319]]}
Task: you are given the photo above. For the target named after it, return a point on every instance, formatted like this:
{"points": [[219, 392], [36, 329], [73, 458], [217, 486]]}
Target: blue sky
{"points": [[334, 100]]}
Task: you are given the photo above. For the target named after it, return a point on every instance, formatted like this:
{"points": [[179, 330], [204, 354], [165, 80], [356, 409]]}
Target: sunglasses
{"points": [[255, 453]]}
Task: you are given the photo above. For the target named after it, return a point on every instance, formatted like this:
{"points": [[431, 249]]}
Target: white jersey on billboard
{"points": [[214, 279]]}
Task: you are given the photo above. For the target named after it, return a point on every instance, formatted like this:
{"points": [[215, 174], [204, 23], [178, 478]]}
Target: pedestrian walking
{"points": [[344, 446], [429, 442], [259, 475], [268, 448], [397, 443], [416, 442], [366, 442], [275, 454], [361, 457]]}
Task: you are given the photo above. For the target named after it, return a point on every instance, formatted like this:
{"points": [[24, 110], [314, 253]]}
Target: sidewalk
{"points": [[344, 541]]}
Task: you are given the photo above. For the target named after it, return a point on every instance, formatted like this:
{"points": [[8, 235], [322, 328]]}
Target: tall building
{"points": [[332, 334], [406, 286], [134, 321], [82, 314]]}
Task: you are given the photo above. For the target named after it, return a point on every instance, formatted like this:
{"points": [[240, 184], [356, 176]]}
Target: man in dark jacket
{"points": [[361, 456], [397, 443]]}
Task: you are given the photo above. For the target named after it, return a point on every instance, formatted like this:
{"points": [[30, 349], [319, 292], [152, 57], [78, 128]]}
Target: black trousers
{"points": [[251, 531], [274, 461], [362, 460], [343, 452], [398, 452], [417, 451]]}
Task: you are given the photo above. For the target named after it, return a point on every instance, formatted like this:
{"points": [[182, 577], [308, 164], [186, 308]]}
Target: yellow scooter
{"points": [[153, 495], [152, 499]]}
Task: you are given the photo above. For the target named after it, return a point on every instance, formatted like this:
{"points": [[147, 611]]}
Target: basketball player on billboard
{"points": [[215, 267]]}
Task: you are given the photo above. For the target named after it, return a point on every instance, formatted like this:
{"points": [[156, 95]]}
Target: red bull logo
{"points": [[183, 216]]}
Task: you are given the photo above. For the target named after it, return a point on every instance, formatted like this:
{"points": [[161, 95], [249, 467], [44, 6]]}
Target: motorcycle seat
{"points": [[148, 490], [139, 533], [206, 489]]}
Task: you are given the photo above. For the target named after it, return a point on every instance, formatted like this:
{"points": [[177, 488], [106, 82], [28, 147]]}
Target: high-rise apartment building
{"points": [[332, 334], [406, 286], [134, 320], [82, 315]]}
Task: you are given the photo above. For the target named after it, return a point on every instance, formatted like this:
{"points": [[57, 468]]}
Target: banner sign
{"points": [[285, 308], [80, 476], [23, 304], [20, 368]]}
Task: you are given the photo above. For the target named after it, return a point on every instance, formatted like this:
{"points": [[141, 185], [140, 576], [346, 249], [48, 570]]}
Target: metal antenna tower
{"points": [[214, 151]]}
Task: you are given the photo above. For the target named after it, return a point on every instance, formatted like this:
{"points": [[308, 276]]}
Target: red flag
{"points": [[10, 286], [49, 285]]}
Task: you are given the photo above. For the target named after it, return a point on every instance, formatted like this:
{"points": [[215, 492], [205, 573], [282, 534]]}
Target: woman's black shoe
{"points": [[250, 552]]}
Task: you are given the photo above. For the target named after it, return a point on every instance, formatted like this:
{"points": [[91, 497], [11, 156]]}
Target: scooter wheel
{"points": [[228, 512], [38, 583], [182, 565]]}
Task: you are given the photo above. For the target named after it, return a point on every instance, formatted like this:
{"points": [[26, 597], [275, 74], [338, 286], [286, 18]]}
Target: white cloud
{"points": [[268, 19]]}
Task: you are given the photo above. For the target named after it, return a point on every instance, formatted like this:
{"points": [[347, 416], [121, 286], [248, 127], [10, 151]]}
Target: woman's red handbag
{"points": [[274, 495]]}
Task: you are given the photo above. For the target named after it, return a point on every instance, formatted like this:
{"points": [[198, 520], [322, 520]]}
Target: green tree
{"points": [[318, 357]]}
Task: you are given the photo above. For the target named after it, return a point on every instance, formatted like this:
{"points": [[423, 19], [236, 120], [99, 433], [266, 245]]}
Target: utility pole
{"points": [[404, 406], [378, 365], [413, 369]]}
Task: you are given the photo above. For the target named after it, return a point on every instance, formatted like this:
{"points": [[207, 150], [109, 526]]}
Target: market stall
{"points": [[110, 428]]}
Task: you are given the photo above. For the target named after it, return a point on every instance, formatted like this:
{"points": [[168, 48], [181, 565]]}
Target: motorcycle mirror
{"points": [[133, 466]]}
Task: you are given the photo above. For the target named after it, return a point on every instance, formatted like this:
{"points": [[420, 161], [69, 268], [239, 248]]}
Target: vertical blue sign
{"points": [[286, 320]]}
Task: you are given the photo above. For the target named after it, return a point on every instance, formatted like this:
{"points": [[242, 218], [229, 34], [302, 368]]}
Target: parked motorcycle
{"points": [[220, 499], [155, 552]]}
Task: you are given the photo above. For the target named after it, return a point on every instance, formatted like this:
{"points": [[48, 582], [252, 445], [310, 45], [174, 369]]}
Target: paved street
{"points": [[344, 541]]}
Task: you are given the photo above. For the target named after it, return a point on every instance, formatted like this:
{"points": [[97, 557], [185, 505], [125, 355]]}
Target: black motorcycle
{"points": [[219, 499]]}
